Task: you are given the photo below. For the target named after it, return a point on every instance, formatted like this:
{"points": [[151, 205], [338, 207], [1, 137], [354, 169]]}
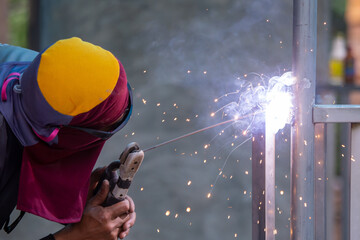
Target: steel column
{"points": [[302, 159], [263, 185], [345, 156], [320, 181], [269, 180], [258, 186], [354, 188]]}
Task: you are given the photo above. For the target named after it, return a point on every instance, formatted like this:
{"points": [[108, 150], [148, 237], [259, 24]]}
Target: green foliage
{"points": [[337, 16], [18, 22], [338, 7]]}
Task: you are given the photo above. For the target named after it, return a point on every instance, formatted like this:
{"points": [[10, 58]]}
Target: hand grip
{"points": [[112, 176], [120, 181]]}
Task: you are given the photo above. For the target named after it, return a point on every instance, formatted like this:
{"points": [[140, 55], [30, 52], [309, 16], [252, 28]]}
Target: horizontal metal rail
{"points": [[336, 114]]}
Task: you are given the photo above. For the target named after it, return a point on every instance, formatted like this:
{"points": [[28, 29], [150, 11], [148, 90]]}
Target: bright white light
{"points": [[279, 111], [258, 95]]}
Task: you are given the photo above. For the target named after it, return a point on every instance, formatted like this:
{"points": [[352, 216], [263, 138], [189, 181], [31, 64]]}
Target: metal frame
{"points": [[308, 143]]}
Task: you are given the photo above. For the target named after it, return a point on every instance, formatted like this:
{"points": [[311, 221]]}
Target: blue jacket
{"points": [[10, 147]]}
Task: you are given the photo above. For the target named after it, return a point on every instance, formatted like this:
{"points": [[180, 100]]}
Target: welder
{"points": [[57, 109]]}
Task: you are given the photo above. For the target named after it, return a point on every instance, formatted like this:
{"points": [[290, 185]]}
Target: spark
{"points": [[188, 71], [226, 95], [167, 213], [208, 195], [144, 101], [274, 98], [158, 104], [198, 131], [142, 189], [225, 162], [188, 209], [189, 183]]}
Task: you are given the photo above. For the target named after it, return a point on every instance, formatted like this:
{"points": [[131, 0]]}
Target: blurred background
{"points": [[179, 56]]}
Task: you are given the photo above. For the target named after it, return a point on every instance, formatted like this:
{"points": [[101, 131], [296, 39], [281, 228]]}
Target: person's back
{"points": [[10, 163], [10, 147]]}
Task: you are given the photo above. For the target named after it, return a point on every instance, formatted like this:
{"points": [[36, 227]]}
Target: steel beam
{"points": [[336, 113], [263, 185], [302, 159], [258, 186], [345, 164], [320, 181]]}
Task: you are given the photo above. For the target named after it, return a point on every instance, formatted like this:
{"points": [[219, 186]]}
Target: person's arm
{"points": [[9, 53]]}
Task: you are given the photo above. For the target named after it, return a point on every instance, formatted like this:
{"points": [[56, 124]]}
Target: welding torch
{"points": [[120, 173]]}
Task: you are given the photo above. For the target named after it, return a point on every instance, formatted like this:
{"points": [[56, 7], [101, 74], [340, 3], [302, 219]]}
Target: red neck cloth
{"points": [[54, 178]]}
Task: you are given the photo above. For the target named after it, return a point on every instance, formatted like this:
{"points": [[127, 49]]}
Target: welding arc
{"points": [[201, 130]]}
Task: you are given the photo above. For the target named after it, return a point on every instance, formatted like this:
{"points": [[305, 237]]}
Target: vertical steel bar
{"points": [[320, 181], [355, 190], [269, 179], [345, 155], [302, 159], [263, 185], [258, 186]]}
